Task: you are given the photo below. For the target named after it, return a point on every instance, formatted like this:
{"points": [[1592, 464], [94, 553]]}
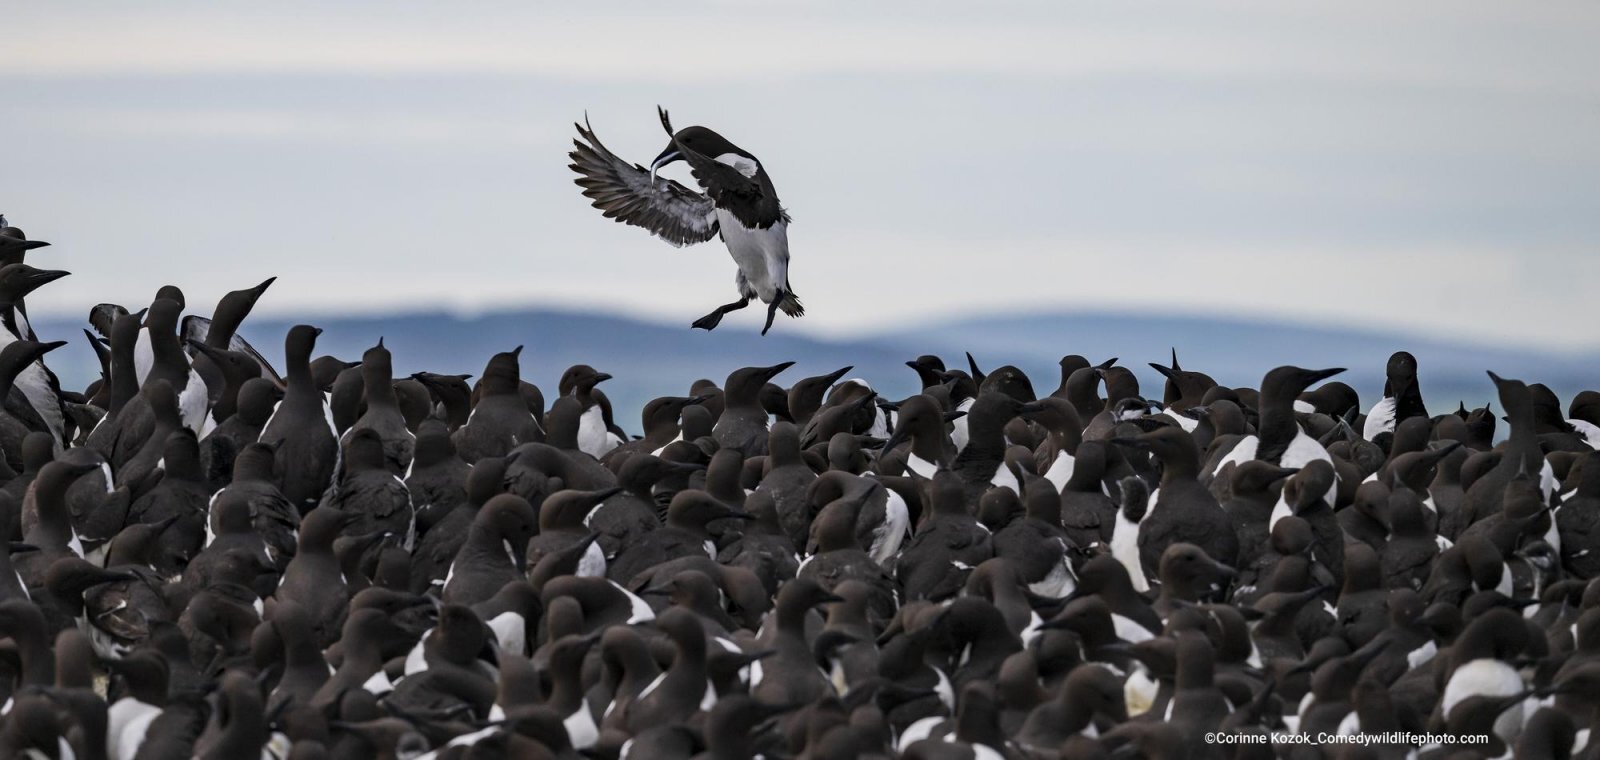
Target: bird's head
{"points": [[702, 141]]}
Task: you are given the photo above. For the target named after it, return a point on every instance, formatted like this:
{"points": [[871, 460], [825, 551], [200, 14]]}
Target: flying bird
{"points": [[739, 204]]}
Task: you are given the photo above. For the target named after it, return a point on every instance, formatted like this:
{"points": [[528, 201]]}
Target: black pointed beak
{"points": [[28, 245], [46, 276], [1166, 372], [200, 345], [775, 369], [1318, 375], [667, 156]]}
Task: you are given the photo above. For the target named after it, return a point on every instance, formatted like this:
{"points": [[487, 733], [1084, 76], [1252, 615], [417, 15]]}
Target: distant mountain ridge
{"points": [[650, 359]]}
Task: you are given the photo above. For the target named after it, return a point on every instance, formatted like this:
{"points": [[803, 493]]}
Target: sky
{"points": [[1423, 167]]}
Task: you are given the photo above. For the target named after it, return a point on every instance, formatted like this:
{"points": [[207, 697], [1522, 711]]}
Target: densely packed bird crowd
{"points": [[207, 558]]}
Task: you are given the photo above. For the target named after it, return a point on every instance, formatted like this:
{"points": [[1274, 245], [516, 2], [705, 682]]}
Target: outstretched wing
{"points": [[624, 192], [102, 315], [197, 328]]}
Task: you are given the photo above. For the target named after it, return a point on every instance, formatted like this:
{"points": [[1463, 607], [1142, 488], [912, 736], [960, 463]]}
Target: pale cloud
{"points": [[259, 124], [1479, 45]]}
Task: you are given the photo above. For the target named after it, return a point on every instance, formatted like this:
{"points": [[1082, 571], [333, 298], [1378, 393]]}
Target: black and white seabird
{"points": [[739, 204]]}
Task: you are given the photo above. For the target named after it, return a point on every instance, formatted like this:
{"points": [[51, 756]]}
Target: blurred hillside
{"points": [[650, 359]]}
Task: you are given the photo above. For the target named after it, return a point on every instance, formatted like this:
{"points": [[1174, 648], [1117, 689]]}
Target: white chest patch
{"points": [[581, 728], [593, 437], [1380, 419], [1060, 582], [1279, 511], [1004, 478], [642, 612], [921, 466], [1589, 431], [1128, 630], [891, 533], [1420, 656], [593, 562], [958, 432], [510, 632], [1061, 470], [1184, 421], [762, 255], [1125, 547]]}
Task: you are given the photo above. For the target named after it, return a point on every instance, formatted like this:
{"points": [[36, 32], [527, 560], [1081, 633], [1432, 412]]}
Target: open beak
{"points": [[667, 156]]}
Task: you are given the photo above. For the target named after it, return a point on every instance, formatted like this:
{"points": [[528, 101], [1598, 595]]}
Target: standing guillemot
{"points": [[382, 415], [1402, 399], [742, 423], [36, 382], [740, 204], [308, 451]]}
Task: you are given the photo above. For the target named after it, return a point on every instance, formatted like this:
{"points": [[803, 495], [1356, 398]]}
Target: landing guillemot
{"points": [[739, 204]]}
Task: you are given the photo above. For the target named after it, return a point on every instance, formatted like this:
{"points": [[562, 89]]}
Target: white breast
{"points": [[1487, 677], [1059, 582], [888, 536], [594, 438], [143, 356], [1380, 419], [1420, 656], [916, 732], [1279, 511], [1481, 677], [593, 562], [1243, 451], [1589, 431], [379, 683], [1185, 421], [34, 382], [1061, 470], [642, 613], [1139, 691], [127, 722], [194, 401], [762, 255], [1128, 630], [958, 433], [581, 729], [1004, 478], [510, 632], [1125, 547]]}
